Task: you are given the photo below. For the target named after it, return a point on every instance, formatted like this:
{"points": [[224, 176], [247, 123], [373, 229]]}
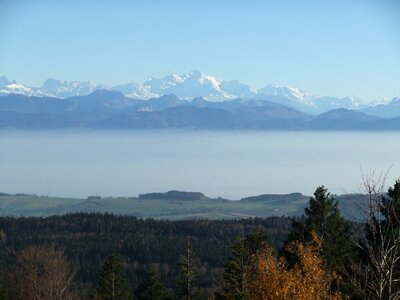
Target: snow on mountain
{"points": [[323, 104], [304, 101], [188, 86], [290, 93], [238, 89], [64, 89], [4, 81], [289, 96], [135, 90], [388, 110], [14, 88]]}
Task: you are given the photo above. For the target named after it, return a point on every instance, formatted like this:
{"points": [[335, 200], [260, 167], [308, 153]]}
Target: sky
{"points": [[336, 48]]}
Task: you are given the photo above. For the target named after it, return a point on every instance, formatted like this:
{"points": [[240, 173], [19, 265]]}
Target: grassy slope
{"points": [[32, 205]]}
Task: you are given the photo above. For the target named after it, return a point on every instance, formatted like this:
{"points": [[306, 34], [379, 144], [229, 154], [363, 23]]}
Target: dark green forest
{"points": [[88, 239]]}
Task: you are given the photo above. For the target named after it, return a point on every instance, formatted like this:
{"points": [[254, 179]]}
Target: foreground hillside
{"points": [[98, 256]]}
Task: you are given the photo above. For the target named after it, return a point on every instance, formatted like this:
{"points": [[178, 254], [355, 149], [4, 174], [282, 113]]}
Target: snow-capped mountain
{"points": [[238, 89], [4, 81], [50, 88], [64, 89], [187, 86], [306, 102], [11, 87], [190, 86], [388, 110], [286, 92], [289, 96], [323, 104], [135, 90]]}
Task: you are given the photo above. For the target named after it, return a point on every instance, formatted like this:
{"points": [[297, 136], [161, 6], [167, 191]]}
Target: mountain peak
{"points": [[106, 93], [196, 73], [4, 81], [51, 83]]}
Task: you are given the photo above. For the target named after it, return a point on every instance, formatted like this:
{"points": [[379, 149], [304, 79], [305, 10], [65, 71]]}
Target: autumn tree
{"points": [[43, 273], [240, 266], [152, 288], [306, 280], [112, 284]]}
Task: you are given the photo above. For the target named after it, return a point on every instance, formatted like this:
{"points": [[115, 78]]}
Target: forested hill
{"points": [[173, 205]]}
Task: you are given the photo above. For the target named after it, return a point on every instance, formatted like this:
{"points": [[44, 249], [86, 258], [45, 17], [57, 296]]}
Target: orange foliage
{"points": [[307, 280]]}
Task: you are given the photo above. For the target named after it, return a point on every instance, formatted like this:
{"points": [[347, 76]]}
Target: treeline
{"points": [[102, 256]]}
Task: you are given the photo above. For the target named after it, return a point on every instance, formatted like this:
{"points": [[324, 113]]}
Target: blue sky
{"points": [[336, 48]]}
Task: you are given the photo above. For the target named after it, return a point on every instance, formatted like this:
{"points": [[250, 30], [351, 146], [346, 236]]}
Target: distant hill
{"points": [[174, 205], [276, 197], [174, 195]]}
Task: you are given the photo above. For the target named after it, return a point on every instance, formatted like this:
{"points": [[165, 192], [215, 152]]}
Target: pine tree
{"points": [[323, 217], [239, 269], [152, 288], [3, 290], [112, 285], [188, 266], [391, 206]]}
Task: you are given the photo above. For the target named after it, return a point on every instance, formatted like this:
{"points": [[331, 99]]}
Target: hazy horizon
{"points": [[231, 164]]}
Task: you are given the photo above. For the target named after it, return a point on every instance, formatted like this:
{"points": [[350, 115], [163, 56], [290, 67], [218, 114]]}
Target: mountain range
{"points": [[111, 109], [195, 84]]}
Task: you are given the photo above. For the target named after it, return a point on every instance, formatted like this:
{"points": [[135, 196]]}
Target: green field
{"points": [[172, 207]]}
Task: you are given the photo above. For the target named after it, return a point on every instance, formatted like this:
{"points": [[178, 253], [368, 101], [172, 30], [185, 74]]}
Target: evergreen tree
{"points": [[112, 285], [151, 288], [3, 290], [391, 206], [188, 266], [239, 269], [323, 217]]}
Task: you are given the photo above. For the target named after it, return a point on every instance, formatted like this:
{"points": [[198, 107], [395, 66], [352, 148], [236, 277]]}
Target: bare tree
{"points": [[377, 276], [43, 273]]}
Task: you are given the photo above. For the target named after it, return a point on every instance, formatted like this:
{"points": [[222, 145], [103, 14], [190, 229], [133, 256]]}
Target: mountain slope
{"points": [[111, 109]]}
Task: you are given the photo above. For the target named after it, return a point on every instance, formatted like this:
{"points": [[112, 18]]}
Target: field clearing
{"points": [[173, 209]]}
